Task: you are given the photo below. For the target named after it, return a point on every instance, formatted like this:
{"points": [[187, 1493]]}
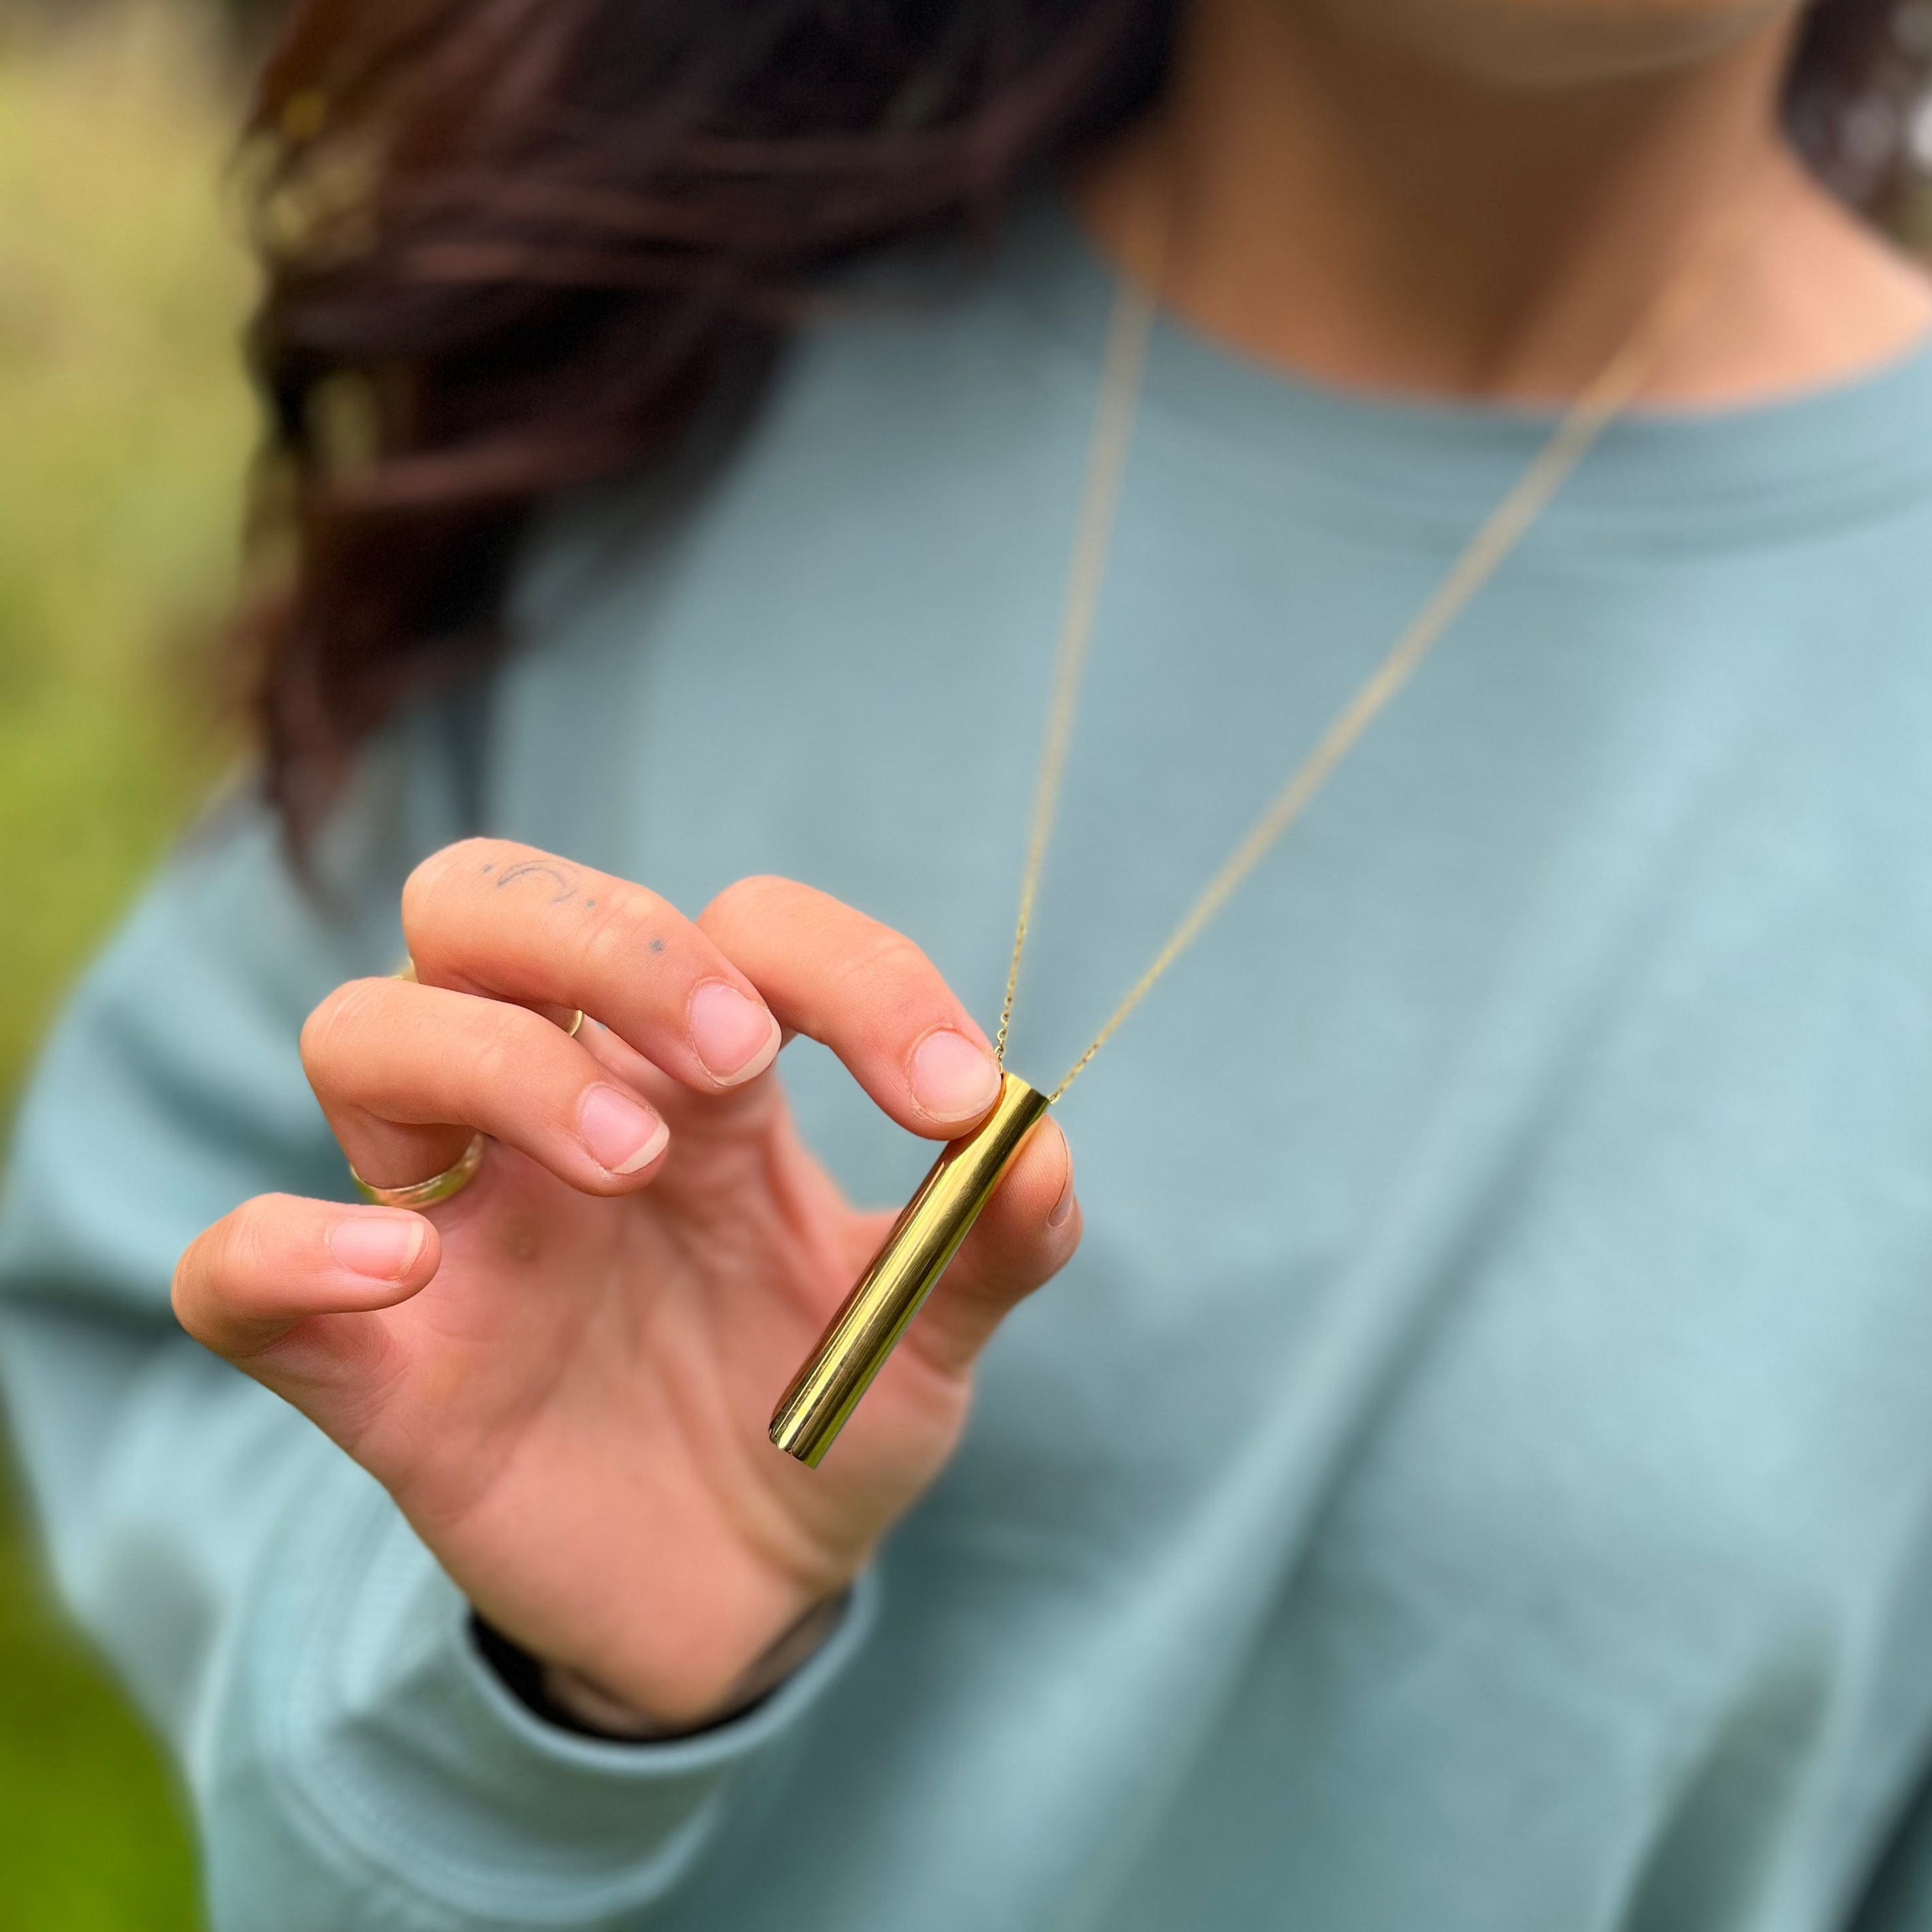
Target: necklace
{"points": [[924, 1239]]}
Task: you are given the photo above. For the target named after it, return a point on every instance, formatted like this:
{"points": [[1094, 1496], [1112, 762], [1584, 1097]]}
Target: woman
{"points": [[1477, 1472]]}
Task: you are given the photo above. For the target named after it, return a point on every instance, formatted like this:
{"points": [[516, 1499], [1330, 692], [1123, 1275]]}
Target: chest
{"points": [[1534, 1145]]}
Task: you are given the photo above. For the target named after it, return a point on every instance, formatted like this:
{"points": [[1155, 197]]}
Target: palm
{"points": [[586, 1383]]}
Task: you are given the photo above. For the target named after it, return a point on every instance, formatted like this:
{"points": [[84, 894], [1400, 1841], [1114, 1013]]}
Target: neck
{"points": [[1366, 216]]}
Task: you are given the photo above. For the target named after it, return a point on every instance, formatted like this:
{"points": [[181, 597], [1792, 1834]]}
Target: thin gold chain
{"points": [[1130, 331]]}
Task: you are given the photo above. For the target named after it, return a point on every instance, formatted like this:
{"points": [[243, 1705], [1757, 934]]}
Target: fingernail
{"points": [[622, 1133], [1061, 1212], [952, 1078], [735, 1037], [380, 1245]]}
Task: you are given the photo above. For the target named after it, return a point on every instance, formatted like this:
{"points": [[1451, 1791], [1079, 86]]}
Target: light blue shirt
{"points": [[1477, 1476]]}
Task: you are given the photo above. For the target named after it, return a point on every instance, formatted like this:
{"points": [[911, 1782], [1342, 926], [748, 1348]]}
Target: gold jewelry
{"points": [[924, 1239], [855, 1342], [454, 1178], [452, 1181]]}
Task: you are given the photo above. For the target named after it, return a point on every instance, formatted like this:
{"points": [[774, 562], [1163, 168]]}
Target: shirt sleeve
{"points": [[352, 1759]]}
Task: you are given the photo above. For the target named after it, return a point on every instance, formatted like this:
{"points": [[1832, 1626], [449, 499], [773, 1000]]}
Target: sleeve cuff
{"points": [[523, 1677], [399, 1749]]}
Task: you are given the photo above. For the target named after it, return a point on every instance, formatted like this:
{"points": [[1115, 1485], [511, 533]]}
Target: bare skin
{"points": [[1474, 198], [563, 1374]]}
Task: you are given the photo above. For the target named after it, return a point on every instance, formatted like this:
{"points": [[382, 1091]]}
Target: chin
{"points": [[1556, 43]]}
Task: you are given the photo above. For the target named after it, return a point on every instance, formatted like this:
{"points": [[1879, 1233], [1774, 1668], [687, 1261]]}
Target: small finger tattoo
{"points": [[565, 882]]}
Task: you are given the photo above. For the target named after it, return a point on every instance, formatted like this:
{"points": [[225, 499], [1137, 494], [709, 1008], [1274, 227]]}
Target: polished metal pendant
{"points": [[924, 1239]]}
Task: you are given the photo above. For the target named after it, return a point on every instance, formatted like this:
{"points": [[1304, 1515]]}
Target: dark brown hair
{"points": [[512, 246]]}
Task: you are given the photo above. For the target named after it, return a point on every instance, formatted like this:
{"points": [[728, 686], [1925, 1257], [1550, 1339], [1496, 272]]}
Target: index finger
{"points": [[488, 916]]}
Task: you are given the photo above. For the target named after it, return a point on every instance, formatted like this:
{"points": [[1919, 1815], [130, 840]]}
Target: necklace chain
{"points": [[1130, 331], [1122, 372]]}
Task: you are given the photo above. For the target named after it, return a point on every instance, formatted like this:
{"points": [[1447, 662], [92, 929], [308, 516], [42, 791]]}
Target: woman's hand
{"points": [[564, 1375]]}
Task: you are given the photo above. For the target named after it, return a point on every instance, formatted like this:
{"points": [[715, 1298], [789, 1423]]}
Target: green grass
{"points": [[127, 426]]}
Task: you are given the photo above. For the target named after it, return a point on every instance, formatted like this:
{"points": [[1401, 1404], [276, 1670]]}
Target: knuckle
{"points": [[340, 1025], [626, 925], [216, 1265], [432, 877], [247, 1249], [881, 963], [499, 1054], [882, 992], [746, 900]]}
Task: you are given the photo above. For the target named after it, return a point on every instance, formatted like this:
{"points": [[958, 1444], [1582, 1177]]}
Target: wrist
{"points": [[574, 1702]]}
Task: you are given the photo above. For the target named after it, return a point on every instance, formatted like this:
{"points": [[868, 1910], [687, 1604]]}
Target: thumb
{"points": [[292, 1292]]}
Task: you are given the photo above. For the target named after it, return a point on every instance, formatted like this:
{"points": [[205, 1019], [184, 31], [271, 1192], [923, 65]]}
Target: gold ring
{"points": [[452, 1181], [453, 1178]]}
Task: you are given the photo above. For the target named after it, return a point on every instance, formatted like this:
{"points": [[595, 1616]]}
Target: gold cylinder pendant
{"points": [[924, 1239]]}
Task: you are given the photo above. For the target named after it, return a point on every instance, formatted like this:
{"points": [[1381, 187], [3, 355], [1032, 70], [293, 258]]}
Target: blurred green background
{"points": [[124, 430]]}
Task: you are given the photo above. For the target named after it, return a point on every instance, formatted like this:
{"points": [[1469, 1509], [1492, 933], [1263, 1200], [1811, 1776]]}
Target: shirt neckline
{"points": [[1844, 452]]}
